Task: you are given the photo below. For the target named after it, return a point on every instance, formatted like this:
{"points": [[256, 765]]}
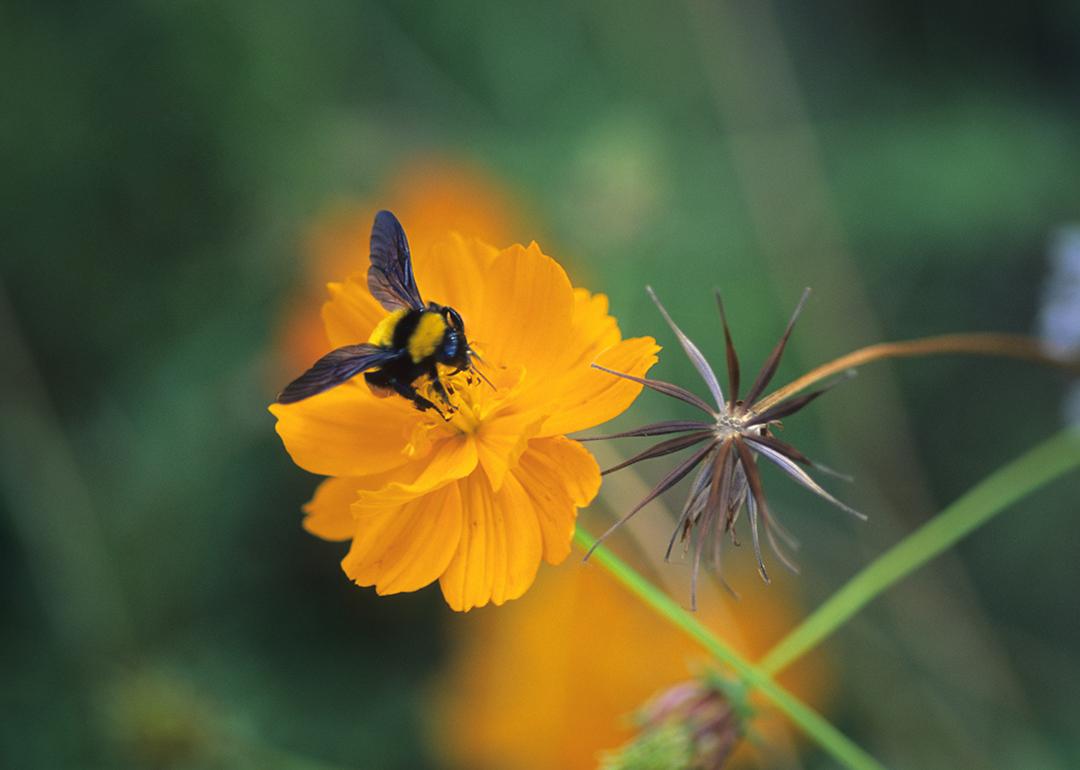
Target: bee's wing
{"points": [[334, 368], [390, 277]]}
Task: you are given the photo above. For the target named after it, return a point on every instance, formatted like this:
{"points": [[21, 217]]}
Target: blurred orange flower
{"points": [[555, 682], [474, 501], [433, 196]]}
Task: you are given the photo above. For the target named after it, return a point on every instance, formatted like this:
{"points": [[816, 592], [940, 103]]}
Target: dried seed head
{"points": [[733, 437]]}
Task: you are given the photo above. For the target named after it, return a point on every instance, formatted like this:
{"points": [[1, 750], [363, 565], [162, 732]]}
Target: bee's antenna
{"points": [[472, 367]]}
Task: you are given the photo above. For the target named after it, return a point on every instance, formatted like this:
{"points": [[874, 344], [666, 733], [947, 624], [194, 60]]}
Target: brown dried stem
{"points": [[979, 344]]}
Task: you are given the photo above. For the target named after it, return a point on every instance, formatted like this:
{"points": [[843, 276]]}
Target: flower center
{"points": [[469, 411], [468, 407], [727, 425], [472, 400]]}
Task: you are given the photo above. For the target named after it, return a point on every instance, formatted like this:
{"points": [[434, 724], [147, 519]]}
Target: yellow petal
{"points": [[328, 514], [584, 396], [453, 272], [523, 542], [558, 476], [593, 324], [407, 547], [499, 549], [346, 431], [450, 459], [500, 441], [351, 313], [573, 394], [592, 331], [526, 314]]}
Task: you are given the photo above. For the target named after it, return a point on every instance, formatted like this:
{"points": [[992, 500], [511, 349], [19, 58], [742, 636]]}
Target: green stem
{"points": [[990, 497], [808, 720]]}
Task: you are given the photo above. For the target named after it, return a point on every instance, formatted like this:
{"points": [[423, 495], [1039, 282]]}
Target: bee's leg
{"points": [[468, 374], [423, 405], [440, 390], [408, 391]]}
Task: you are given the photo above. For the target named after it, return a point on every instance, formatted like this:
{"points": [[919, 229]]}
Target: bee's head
{"points": [[458, 351], [455, 347]]}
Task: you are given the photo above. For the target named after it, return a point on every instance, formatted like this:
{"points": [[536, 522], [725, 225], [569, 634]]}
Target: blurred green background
{"points": [[163, 163]]}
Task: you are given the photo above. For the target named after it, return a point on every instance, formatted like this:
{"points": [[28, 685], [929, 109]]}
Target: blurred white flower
{"points": [[1059, 317]]}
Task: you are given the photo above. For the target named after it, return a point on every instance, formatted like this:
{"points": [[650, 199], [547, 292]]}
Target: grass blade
{"points": [[994, 494]]}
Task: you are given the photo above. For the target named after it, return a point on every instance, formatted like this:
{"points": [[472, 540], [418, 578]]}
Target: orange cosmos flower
{"points": [[556, 682], [477, 500]]}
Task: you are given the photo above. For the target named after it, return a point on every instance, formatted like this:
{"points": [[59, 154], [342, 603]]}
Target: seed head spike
{"points": [[692, 352], [729, 347], [768, 369]]}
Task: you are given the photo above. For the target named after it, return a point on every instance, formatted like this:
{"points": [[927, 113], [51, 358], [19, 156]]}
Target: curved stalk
{"points": [[978, 344]]}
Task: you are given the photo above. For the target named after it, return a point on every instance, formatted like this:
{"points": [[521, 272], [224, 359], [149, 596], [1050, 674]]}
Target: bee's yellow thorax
{"points": [[426, 337], [383, 335]]}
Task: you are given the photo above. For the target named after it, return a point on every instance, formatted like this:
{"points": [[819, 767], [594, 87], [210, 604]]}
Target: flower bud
{"points": [[691, 726]]}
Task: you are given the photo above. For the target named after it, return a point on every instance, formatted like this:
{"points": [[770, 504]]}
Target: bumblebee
{"points": [[406, 345]]}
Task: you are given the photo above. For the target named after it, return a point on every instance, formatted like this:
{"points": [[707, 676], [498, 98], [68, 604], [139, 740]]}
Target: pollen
{"points": [[469, 416], [469, 406]]}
